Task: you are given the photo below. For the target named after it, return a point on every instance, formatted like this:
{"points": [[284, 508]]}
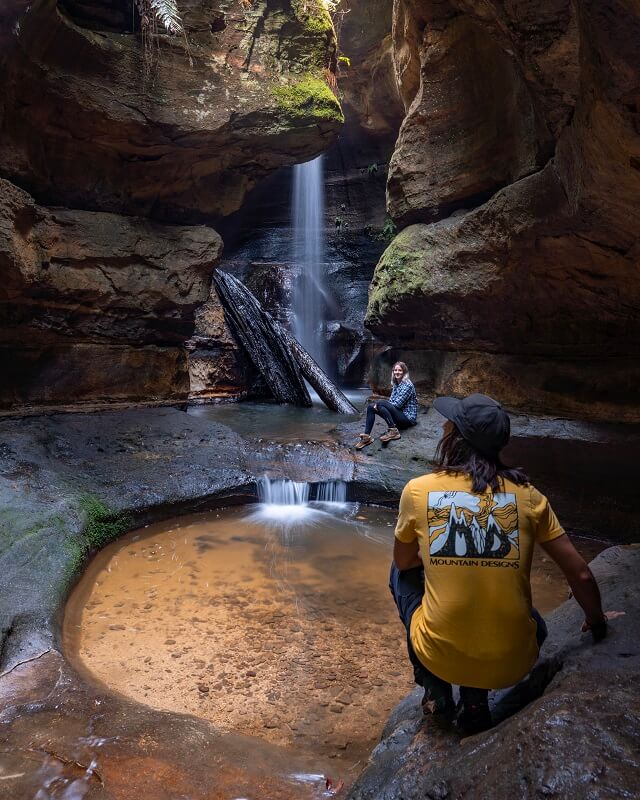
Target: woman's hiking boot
{"points": [[390, 435], [364, 440]]}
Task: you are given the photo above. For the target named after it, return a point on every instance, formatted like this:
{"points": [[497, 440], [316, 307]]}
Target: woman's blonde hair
{"points": [[405, 372]]}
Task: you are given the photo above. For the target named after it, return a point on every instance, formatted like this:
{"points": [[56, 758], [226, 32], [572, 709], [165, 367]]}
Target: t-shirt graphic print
{"points": [[473, 526], [474, 625]]}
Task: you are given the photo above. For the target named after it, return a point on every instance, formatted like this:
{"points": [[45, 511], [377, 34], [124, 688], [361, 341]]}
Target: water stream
{"points": [[307, 214]]}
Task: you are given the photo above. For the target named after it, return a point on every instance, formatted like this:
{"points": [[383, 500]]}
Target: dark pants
{"points": [[389, 413], [407, 589]]}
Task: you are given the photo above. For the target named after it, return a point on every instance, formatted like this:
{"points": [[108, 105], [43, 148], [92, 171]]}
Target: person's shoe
{"points": [[364, 440], [473, 718], [390, 435]]}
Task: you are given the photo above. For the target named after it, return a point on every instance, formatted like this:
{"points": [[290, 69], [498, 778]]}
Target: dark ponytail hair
{"points": [[455, 455]]}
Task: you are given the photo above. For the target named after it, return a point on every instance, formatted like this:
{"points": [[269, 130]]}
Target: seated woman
{"points": [[400, 411]]}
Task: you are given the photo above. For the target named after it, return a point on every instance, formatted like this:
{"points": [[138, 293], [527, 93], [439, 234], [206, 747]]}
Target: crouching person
{"points": [[462, 559]]}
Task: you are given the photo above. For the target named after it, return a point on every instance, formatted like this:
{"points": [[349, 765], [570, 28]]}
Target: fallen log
{"points": [[264, 344], [281, 359], [328, 392]]}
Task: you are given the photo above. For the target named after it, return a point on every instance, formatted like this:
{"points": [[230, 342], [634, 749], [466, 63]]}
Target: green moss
{"points": [[102, 525], [309, 97], [400, 272], [313, 15]]}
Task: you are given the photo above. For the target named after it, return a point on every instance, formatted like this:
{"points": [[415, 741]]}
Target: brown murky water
{"points": [[287, 633]]}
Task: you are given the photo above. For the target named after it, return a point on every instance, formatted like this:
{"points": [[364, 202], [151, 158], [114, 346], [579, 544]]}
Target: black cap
{"points": [[480, 419]]}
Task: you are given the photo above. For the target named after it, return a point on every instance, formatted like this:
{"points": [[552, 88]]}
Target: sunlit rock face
{"points": [[97, 305], [82, 127], [515, 178]]}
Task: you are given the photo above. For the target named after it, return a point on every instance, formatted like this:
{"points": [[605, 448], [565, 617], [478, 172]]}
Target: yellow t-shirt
{"points": [[474, 626]]}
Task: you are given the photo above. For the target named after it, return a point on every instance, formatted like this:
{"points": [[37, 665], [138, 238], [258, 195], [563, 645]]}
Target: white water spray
{"points": [[282, 492]]}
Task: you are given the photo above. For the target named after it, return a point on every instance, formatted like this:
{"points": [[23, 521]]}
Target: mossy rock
{"points": [[417, 268], [313, 15], [102, 525], [400, 271], [312, 42], [308, 99]]}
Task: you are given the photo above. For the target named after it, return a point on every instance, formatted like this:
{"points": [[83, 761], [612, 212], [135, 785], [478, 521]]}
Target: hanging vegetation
{"points": [[151, 14]]}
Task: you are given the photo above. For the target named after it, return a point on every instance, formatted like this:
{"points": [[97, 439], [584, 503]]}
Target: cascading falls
{"points": [[308, 254], [287, 502], [282, 492], [331, 492]]}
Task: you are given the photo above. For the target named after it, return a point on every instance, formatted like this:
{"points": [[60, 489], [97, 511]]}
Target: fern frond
{"points": [[166, 11]]}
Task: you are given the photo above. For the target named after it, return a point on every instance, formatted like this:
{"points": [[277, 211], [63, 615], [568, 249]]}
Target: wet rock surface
{"points": [[577, 740], [59, 734]]}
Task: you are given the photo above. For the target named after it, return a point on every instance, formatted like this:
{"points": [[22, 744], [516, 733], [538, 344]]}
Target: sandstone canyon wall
{"points": [[515, 180], [112, 179]]}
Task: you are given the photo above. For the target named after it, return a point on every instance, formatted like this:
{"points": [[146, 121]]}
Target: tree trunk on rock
{"points": [[328, 392], [264, 345], [280, 358]]}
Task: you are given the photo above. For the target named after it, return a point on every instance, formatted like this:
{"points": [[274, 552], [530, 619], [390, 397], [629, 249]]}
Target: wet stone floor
{"points": [[279, 628]]}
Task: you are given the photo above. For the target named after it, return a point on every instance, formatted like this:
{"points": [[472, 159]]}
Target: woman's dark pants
{"points": [[389, 413], [407, 588]]}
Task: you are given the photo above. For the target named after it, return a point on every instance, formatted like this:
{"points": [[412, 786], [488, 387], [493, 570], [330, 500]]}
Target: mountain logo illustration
{"points": [[464, 525]]}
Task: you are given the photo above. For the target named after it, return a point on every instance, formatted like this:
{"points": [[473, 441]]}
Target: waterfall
{"points": [[282, 492], [332, 492], [286, 502], [308, 255]]}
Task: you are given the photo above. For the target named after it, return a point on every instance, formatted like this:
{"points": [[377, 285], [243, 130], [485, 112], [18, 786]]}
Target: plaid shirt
{"points": [[403, 397]]}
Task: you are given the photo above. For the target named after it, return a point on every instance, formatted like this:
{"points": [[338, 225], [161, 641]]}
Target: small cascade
{"points": [[287, 502], [282, 492], [331, 492]]}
